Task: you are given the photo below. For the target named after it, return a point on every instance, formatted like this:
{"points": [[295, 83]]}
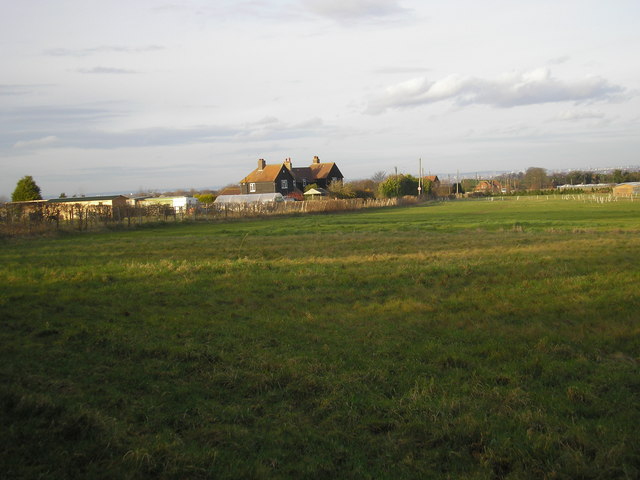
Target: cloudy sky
{"points": [[102, 96]]}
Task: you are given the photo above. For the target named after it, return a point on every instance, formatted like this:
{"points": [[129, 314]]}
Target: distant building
{"points": [[586, 186], [630, 189], [488, 186], [103, 200], [177, 203], [435, 181]]}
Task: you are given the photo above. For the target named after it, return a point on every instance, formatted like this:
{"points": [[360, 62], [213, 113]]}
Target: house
{"points": [[630, 189], [268, 179], [488, 186], [435, 181], [322, 174]]}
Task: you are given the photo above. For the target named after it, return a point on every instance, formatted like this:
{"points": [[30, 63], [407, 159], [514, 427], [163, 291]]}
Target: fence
{"points": [[43, 217]]}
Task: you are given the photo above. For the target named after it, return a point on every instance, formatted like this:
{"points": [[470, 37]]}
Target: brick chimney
{"points": [[316, 159], [261, 164], [287, 163]]}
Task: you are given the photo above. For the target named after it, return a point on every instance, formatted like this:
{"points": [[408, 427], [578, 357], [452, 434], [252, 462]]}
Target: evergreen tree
{"points": [[26, 190]]}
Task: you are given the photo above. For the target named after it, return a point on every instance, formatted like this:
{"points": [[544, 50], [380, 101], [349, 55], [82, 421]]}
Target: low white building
{"points": [[250, 198], [178, 203]]}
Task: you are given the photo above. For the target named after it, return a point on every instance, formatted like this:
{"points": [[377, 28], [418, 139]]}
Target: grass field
{"points": [[471, 340]]}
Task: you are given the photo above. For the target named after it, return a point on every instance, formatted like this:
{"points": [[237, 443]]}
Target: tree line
{"points": [[382, 185]]}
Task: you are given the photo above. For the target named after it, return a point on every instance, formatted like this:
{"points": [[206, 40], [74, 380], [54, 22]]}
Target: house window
{"points": [[252, 187], [334, 179], [284, 184], [304, 182]]}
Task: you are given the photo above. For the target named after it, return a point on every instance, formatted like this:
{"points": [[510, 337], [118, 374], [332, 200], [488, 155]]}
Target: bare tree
{"points": [[379, 176]]}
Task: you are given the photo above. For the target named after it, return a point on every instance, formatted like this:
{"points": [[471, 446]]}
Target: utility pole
{"points": [[420, 177], [397, 186]]}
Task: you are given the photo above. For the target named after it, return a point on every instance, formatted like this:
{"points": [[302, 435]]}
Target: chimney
{"points": [[316, 159], [261, 164], [287, 163]]}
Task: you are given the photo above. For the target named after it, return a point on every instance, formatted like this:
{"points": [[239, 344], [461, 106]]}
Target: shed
{"points": [[102, 200]]}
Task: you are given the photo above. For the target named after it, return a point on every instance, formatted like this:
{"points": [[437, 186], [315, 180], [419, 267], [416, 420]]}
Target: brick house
{"points": [[488, 186]]}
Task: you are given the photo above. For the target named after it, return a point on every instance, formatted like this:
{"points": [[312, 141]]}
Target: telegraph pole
{"points": [[397, 186], [420, 177]]}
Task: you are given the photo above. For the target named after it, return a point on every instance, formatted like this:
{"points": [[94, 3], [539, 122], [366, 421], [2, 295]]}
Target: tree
{"points": [[397, 186], [205, 198], [26, 189], [379, 176], [341, 190], [535, 178]]}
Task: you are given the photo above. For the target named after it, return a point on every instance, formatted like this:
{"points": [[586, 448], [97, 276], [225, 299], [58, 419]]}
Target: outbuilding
{"points": [[630, 189]]}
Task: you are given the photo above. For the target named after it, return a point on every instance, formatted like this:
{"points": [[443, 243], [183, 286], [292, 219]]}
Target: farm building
{"points": [[249, 198], [630, 189], [77, 207], [586, 186], [178, 203], [103, 200]]}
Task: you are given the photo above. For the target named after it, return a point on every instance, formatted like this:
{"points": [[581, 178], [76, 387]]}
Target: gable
{"points": [[270, 173], [325, 170]]}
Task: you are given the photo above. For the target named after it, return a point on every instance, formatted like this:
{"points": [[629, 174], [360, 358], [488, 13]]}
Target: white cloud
{"points": [[84, 52], [37, 142], [577, 115], [509, 90], [347, 10], [76, 128], [106, 70]]}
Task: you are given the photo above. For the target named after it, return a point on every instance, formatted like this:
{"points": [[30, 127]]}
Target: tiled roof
{"points": [[267, 174], [85, 199], [321, 170], [234, 190], [302, 172]]}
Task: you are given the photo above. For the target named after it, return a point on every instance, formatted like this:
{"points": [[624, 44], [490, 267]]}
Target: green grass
{"points": [[483, 339]]}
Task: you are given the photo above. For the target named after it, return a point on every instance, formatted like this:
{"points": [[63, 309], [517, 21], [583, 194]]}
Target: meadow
{"points": [[468, 340]]}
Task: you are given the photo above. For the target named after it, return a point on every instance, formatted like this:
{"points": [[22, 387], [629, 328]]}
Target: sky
{"points": [[129, 96]]}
